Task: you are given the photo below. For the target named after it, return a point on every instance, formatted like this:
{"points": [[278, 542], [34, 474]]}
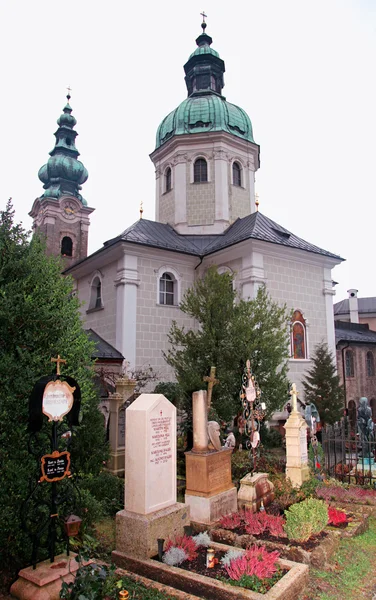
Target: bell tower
{"points": [[205, 156], [61, 214]]}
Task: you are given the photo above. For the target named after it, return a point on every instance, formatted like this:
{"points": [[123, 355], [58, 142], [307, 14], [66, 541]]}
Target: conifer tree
{"points": [[39, 319], [230, 331], [321, 385]]}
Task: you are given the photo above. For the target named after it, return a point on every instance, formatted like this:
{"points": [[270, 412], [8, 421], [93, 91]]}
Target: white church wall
{"points": [[153, 319], [102, 320], [300, 286]]}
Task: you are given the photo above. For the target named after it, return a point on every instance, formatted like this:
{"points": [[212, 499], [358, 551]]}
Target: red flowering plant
{"points": [[256, 523], [231, 521], [256, 561], [186, 543], [336, 517]]}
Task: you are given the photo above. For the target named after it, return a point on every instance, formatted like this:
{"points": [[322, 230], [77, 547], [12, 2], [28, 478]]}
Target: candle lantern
{"points": [[72, 525]]}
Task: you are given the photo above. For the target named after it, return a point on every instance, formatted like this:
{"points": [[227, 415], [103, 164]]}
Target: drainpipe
{"points": [[344, 371]]}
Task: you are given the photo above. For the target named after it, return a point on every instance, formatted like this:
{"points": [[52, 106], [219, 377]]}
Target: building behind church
{"points": [[205, 162]]}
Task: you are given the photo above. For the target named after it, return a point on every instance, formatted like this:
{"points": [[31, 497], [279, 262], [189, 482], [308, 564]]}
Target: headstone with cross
{"points": [[212, 381], [297, 469]]}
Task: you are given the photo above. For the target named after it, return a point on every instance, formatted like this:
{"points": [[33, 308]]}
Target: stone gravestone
{"points": [[210, 492], [297, 469], [151, 510], [124, 390]]}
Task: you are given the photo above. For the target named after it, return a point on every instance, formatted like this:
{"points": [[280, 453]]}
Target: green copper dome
{"points": [[205, 109], [63, 173], [201, 114]]}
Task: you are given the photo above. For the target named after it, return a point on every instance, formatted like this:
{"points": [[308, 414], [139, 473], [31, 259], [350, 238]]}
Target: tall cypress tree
{"points": [[39, 319], [322, 387]]}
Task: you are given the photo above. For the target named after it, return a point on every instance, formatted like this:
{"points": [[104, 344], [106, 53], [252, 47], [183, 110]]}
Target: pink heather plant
{"points": [[256, 561], [232, 521], [256, 523]]}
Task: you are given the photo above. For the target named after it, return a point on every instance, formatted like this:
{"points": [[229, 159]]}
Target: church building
{"points": [[206, 213]]}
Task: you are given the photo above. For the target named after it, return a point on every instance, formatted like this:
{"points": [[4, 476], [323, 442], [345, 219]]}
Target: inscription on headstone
{"points": [[121, 428], [150, 457]]}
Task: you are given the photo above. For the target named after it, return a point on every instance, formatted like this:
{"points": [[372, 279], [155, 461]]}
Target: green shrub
{"points": [[91, 509], [305, 519], [107, 489]]}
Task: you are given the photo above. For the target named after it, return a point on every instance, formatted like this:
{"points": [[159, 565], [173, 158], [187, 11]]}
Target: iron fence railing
{"points": [[348, 456]]}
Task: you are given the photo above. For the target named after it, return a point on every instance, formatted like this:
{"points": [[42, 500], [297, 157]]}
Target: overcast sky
{"points": [[303, 70]]}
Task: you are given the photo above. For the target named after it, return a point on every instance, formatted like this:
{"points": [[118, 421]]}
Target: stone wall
{"points": [[201, 199], [167, 207], [153, 319], [359, 385]]}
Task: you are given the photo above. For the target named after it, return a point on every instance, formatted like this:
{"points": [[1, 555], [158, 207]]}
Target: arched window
{"points": [[349, 363], [167, 290], [66, 246], [236, 174], [298, 336], [370, 364], [200, 171], [96, 294], [168, 180]]}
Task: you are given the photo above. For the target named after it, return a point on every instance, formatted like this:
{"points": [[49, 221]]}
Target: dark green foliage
{"points": [[39, 318], [231, 330], [107, 489], [321, 385], [99, 582]]}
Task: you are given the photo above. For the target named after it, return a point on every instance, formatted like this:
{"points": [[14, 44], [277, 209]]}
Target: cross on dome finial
{"points": [[69, 93], [203, 24]]}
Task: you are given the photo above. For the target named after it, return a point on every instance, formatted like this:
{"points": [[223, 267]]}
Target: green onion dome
{"points": [[64, 173], [205, 109]]}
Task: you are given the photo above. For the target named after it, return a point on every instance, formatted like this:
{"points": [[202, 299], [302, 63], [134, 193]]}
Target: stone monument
{"points": [[124, 390], [210, 492], [151, 510], [297, 469]]}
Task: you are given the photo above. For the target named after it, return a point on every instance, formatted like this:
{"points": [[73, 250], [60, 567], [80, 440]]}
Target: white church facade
{"points": [[206, 214]]}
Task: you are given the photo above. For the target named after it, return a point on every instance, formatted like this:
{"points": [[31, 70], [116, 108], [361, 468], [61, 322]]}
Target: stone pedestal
{"points": [[253, 489], [297, 469], [124, 390], [209, 492], [137, 534], [44, 582]]}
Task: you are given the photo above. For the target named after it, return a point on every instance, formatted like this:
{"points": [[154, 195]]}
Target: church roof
{"points": [[354, 332], [365, 305], [103, 350], [255, 226]]}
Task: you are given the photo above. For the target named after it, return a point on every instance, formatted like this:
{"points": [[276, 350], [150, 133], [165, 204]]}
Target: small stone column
{"points": [[200, 422], [124, 390], [297, 469]]}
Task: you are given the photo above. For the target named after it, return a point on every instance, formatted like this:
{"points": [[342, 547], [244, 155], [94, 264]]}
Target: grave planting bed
{"points": [[315, 552], [288, 587]]}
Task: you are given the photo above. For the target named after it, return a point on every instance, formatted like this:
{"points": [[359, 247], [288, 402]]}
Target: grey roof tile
{"points": [[354, 332], [102, 348], [255, 226], [365, 305]]}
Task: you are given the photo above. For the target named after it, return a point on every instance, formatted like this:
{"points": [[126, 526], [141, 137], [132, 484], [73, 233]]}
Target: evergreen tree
{"points": [[230, 331], [321, 385], [39, 319]]}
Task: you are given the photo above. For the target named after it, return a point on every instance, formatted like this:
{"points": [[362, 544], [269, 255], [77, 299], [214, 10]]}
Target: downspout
{"points": [[201, 259], [344, 371]]}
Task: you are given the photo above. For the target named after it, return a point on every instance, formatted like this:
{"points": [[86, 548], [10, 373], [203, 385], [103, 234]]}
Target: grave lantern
{"points": [[72, 525]]}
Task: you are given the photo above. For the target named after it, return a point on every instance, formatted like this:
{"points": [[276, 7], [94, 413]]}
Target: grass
{"points": [[351, 573]]}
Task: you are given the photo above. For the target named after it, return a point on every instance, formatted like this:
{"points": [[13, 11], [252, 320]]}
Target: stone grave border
{"points": [[287, 588], [317, 557]]}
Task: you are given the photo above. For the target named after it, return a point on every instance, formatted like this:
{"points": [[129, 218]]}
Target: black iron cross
{"points": [[204, 16]]}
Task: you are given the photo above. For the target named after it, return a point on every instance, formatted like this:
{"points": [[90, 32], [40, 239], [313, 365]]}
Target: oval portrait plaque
{"points": [[57, 400]]}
